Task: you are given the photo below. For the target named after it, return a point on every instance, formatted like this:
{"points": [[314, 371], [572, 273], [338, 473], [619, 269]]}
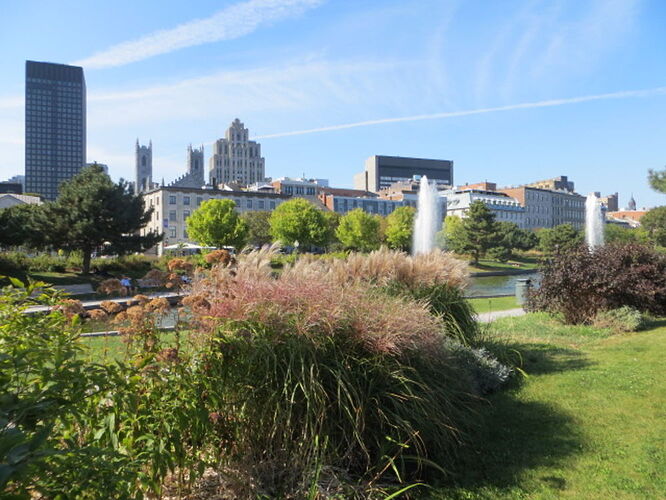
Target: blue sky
{"points": [[511, 91]]}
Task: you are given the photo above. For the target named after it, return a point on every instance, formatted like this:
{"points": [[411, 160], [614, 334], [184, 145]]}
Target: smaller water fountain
{"points": [[594, 222], [428, 218]]}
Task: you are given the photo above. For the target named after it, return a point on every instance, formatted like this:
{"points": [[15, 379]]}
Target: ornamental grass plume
{"points": [[382, 267], [98, 315], [111, 286], [179, 264]]}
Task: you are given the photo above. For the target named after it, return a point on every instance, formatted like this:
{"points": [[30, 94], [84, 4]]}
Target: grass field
{"points": [[517, 263], [494, 304], [589, 422]]}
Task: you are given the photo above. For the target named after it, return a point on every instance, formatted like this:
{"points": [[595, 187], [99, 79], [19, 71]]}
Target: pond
{"points": [[498, 285]]}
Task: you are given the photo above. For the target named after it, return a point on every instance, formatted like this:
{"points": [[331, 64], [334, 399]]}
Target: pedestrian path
{"points": [[95, 304], [493, 315]]}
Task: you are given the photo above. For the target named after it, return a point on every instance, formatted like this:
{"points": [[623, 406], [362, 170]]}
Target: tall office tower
{"points": [[144, 167], [55, 126], [382, 171], [236, 159]]}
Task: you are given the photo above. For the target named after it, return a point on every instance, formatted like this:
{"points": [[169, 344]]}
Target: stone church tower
{"points": [[144, 168], [195, 164]]}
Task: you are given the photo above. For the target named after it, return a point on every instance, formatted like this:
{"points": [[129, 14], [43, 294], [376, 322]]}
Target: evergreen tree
{"points": [[22, 225], [216, 223], [559, 239], [400, 228], [658, 180], [93, 213], [359, 230], [478, 232]]}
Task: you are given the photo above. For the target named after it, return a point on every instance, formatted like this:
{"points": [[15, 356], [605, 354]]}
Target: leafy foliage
{"points": [[614, 233], [400, 228], [258, 227], [359, 230], [299, 220], [20, 225], [580, 283], [216, 223], [559, 239], [654, 223], [622, 319]]}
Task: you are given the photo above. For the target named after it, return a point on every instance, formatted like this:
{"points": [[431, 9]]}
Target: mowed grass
{"points": [[589, 421], [516, 263], [494, 304]]}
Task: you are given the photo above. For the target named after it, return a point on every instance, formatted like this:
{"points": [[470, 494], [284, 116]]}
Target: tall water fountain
{"points": [[428, 218], [594, 222]]}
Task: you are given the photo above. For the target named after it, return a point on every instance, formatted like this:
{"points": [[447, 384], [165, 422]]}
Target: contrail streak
{"points": [[451, 114]]}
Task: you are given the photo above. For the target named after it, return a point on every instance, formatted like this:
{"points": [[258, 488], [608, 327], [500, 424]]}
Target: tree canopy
{"points": [[477, 232], [216, 223], [559, 239], [658, 180], [21, 225], [654, 223], [92, 212], [299, 220], [400, 228], [359, 230], [258, 227], [614, 233]]}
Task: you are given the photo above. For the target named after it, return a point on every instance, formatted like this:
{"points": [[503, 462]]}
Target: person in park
{"points": [[127, 283]]}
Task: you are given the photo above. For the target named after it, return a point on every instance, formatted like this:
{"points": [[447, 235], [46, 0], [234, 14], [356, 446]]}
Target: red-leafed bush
{"points": [[580, 283]]}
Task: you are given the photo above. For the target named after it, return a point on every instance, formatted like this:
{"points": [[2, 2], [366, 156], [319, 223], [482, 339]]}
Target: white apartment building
{"points": [[236, 159], [505, 208], [173, 205]]}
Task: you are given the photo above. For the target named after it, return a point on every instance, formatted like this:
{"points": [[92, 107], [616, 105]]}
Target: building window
{"points": [[172, 232], [249, 203], [186, 214], [272, 205], [185, 233], [172, 216], [199, 200], [186, 200], [261, 204], [172, 199]]}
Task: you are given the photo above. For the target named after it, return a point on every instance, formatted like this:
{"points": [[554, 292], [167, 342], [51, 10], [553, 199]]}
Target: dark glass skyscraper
{"points": [[55, 126]]}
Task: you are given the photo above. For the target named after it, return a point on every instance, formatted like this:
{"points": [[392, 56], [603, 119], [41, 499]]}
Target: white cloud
{"points": [[232, 22], [625, 94]]}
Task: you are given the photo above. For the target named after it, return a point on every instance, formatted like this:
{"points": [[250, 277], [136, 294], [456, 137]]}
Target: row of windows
{"points": [[310, 191], [249, 203], [54, 82]]}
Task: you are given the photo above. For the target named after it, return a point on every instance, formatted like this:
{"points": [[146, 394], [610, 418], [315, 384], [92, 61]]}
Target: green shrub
{"points": [[45, 262], [623, 319], [13, 263]]}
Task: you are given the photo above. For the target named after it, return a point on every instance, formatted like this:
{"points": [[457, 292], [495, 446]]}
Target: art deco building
{"points": [[55, 126], [236, 159]]}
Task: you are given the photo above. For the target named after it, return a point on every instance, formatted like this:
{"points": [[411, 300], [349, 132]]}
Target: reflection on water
{"points": [[498, 285]]}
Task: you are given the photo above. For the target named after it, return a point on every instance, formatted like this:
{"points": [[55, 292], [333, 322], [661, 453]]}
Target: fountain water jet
{"points": [[594, 222], [428, 218]]}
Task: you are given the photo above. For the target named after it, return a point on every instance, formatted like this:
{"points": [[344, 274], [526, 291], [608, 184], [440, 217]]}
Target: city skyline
{"points": [[518, 93]]}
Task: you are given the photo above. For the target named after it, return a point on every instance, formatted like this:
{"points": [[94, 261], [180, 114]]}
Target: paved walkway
{"points": [[78, 289], [94, 304], [493, 315]]}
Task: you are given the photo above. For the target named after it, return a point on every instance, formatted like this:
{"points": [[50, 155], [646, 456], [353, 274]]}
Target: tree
{"points": [[615, 233], [22, 225], [654, 223], [258, 227], [332, 222], [359, 230], [216, 223], [450, 237], [559, 239], [478, 232], [510, 238], [400, 228], [658, 180], [298, 220], [92, 212]]}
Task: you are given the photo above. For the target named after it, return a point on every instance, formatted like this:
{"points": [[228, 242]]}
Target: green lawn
{"points": [[517, 263], [494, 304], [589, 422]]}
